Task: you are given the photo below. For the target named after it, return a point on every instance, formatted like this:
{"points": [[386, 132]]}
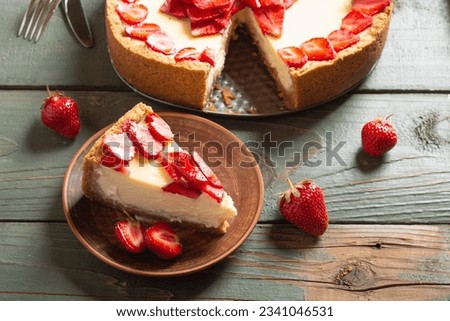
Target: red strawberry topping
{"points": [[162, 240], [176, 8], [208, 55], [115, 163], [141, 31], [159, 129], [270, 19], [141, 137], [206, 170], [187, 168], [132, 14], [378, 136], [160, 41], [187, 54], [60, 113], [370, 7], [130, 235], [182, 188], [341, 39], [355, 22], [304, 206], [215, 192], [318, 49], [119, 145], [293, 56], [211, 4]]}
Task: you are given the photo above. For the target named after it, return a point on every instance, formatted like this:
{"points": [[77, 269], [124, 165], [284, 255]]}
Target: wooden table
{"points": [[389, 234]]}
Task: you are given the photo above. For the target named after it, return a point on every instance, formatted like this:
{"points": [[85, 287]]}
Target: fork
{"points": [[36, 18]]}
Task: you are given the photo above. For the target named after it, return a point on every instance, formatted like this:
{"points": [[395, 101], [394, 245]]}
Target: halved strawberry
{"points": [[355, 22], [179, 187], [206, 170], [196, 14], [176, 8], [272, 3], [188, 53], [162, 240], [130, 235], [211, 4], [160, 41], [208, 55], [208, 27], [318, 49], [253, 3], [293, 56], [370, 7], [133, 13], [141, 137], [159, 128], [270, 20], [119, 145], [341, 39], [141, 31]]}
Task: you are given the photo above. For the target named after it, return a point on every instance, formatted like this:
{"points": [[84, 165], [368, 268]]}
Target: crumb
{"points": [[217, 86], [212, 107], [252, 110], [228, 97]]}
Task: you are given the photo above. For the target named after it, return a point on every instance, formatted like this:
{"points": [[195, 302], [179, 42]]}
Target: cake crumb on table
{"points": [[228, 97]]}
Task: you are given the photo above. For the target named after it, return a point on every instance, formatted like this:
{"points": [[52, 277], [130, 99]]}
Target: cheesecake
{"points": [[137, 167], [315, 50]]}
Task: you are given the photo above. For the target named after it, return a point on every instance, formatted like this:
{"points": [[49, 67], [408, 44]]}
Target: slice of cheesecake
{"points": [[136, 166]]}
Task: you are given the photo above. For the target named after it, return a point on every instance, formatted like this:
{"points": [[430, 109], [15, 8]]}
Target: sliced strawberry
{"points": [[115, 163], [129, 1], [215, 192], [130, 235], [208, 55], [166, 161], [176, 8], [120, 146], [196, 14], [132, 14], [318, 49], [293, 56], [162, 240], [370, 7], [178, 187], [272, 3], [187, 168], [355, 22], [206, 170], [160, 41], [141, 137], [159, 128], [270, 20], [209, 27], [211, 4], [141, 31], [341, 39], [188, 53]]}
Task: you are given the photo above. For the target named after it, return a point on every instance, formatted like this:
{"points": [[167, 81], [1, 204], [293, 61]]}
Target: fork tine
{"points": [[39, 18], [26, 17], [52, 8], [34, 17]]}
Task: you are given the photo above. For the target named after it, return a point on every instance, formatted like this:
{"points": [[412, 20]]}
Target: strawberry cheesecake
{"points": [[137, 167], [315, 50]]}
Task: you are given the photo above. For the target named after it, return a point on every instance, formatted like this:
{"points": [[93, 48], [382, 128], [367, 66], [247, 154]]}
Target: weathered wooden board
{"points": [[409, 185], [416, 57], [44, 261]]}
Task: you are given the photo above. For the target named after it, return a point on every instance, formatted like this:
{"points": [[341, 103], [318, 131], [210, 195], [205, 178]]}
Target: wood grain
{"points": [[350, 262]]}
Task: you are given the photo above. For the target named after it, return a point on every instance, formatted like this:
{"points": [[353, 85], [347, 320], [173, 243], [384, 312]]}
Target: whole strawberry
{"points": [[60, 113], [304, 206], [378, 136]]}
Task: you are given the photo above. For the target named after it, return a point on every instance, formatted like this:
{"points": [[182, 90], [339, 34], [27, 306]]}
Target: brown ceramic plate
{"points": [[93, 223]]}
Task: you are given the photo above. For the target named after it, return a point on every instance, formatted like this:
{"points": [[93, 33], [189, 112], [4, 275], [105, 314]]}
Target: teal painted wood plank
{"points": [[411, 184], [416, 56], [44, 261]]}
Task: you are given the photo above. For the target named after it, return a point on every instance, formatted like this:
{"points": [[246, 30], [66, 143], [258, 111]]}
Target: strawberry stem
{"points": [[48, 91], [294, 190]]}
